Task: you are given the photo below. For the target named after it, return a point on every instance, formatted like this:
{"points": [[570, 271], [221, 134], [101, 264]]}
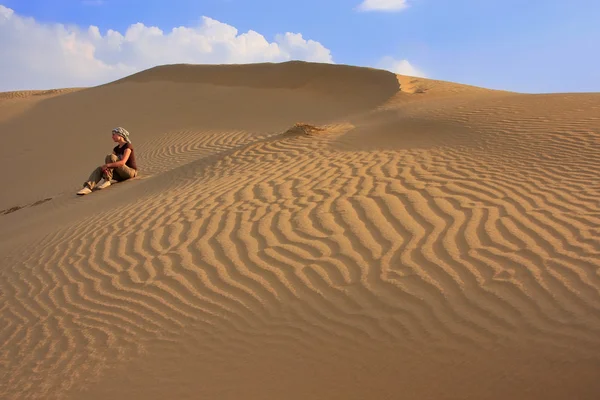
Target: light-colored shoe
{"points": [[85, 190], [103, 184]]}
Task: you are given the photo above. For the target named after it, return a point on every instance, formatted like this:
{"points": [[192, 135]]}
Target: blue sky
{"points": [[530, 46]]}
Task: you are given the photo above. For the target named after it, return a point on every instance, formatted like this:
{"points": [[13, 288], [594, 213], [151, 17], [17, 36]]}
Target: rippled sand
{"points": [[417, 239]]}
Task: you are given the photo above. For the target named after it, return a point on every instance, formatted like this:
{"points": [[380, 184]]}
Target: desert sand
{"points": [[300, 231]]}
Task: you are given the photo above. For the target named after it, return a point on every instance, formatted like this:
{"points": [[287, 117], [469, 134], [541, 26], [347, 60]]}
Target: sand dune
{"points": [[426, 240]]}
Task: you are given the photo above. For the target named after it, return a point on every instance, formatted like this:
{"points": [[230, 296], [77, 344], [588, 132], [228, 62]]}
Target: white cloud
{"points": [[401, 67], [34, 55], [383, 5]]}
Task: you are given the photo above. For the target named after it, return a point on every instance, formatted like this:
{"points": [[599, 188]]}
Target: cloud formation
{"points": [[383, 5], [34, 55], [401, 67]]}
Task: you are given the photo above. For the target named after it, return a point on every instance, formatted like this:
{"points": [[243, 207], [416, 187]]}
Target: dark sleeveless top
{"points": [[131, 160]]}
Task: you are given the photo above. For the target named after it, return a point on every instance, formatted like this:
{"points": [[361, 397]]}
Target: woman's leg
{"points": [[124, 172], [98, 174], [121, 173], [94, 178], [108, 174]]}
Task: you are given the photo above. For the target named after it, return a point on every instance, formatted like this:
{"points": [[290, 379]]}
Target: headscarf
{"points": [[123, 133]]}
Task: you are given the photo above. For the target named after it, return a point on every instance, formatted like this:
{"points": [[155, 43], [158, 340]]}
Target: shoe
{"points": [[85, 190], [103, 184]]}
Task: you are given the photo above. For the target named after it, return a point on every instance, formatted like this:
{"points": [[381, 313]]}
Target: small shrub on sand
{"points": [[303, 129]]}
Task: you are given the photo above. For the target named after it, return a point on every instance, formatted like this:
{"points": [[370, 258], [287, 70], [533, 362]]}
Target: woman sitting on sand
{"points": [[119, 165]]}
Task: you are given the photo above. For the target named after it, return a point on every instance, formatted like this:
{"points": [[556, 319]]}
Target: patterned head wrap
{"points": [[123, 133]]}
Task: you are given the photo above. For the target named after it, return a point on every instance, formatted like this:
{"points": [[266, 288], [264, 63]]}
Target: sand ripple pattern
{"points": [[21, 94], [288, 239], [178, 148]]}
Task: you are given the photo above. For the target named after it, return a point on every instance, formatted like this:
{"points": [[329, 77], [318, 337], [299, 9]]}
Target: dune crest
{"points": [[442, 244]]}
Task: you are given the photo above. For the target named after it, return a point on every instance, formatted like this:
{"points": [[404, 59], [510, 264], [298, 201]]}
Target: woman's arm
{"points": [[119, 163]]}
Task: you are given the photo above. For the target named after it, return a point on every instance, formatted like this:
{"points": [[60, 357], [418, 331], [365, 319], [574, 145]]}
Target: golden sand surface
{"points": [[300, 231]]}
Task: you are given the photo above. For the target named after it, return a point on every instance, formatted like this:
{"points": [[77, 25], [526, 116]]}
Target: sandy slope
{"points": [[430, 241]]}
